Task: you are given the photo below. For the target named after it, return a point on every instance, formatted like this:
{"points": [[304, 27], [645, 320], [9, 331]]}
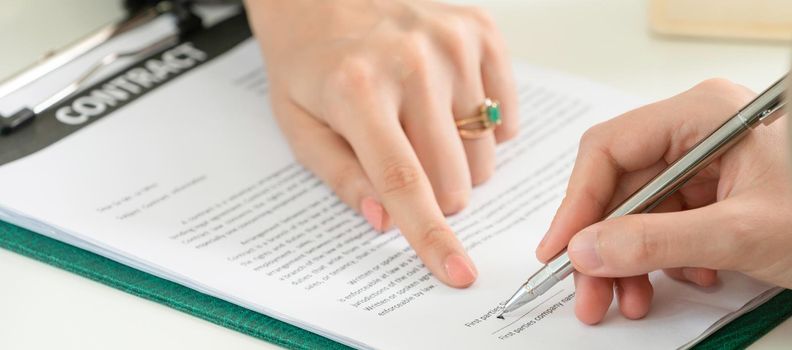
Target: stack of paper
{"points": [[193, 182]]}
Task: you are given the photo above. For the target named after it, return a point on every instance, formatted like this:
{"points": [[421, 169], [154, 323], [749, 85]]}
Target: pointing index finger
{"points": [[392, 166]]}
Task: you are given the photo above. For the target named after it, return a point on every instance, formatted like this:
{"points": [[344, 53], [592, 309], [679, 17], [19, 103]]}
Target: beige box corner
{"points": [[738, 19]]}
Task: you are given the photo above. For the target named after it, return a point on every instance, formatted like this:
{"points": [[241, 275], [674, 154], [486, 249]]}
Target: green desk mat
{"points": [[737, 334]]}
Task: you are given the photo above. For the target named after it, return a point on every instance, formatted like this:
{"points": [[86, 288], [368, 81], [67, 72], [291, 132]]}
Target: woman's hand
{"points": [[367, 91], [736, 214]]}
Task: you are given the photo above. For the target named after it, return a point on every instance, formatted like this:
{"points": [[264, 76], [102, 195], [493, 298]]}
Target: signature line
{"points": [[529, 311]]}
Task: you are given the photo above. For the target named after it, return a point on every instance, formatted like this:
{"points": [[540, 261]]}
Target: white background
{"points": [[607, 41]]}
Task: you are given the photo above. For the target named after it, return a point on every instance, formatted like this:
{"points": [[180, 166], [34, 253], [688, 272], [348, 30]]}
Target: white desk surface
{"points": [[42, 307]]}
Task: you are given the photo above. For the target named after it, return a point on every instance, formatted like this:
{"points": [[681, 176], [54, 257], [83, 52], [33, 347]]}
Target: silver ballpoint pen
{"points": [[761, 110]]}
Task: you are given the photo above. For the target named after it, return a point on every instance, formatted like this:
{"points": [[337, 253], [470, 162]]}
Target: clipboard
{"points": [[37, 132]]}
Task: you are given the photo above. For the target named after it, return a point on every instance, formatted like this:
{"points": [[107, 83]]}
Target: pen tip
{"points": [[501, 317]]}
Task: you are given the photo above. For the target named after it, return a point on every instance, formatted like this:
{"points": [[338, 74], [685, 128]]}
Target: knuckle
{"points": [[588, 195], [414, 49], [399, 177], [304, 152], [716, 84], [434, 238], [740, 225], [453, 202], [592, 136], [742, 220], [481, 16], [343, 181], [453, 32], [724, 92], [352, 75], [645, 247], [482, 172], [745, 226]]}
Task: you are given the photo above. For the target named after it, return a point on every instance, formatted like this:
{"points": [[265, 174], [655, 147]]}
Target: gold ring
{"points": [[488, 118]]}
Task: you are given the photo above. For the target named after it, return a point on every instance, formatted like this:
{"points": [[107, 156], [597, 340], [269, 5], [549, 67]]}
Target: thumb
{"points": [[637, 244]]}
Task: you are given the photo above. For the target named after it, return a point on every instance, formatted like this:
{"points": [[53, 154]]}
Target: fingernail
{"points": [[583, 250], [373, 212], [460, 271]]}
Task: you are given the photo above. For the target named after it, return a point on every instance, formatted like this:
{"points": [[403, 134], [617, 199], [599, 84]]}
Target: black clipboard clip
{"points": [[139, 13]]}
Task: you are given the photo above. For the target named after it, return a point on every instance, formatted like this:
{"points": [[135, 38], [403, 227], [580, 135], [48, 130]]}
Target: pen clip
{"points": [[765, 108], [772, 114]]}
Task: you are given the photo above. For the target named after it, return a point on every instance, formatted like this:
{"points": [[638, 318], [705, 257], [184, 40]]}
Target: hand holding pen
{"points": [[735, 214]]}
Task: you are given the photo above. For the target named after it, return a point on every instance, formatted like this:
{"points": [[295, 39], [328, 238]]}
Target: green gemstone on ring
{"points": [[493, 113]]}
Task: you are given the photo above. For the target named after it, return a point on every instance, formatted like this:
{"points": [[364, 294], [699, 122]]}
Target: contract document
{"points": [[193, 182]]}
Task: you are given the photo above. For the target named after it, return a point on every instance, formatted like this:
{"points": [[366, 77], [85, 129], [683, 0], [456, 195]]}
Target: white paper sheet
{"points": [[194, 183]]}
